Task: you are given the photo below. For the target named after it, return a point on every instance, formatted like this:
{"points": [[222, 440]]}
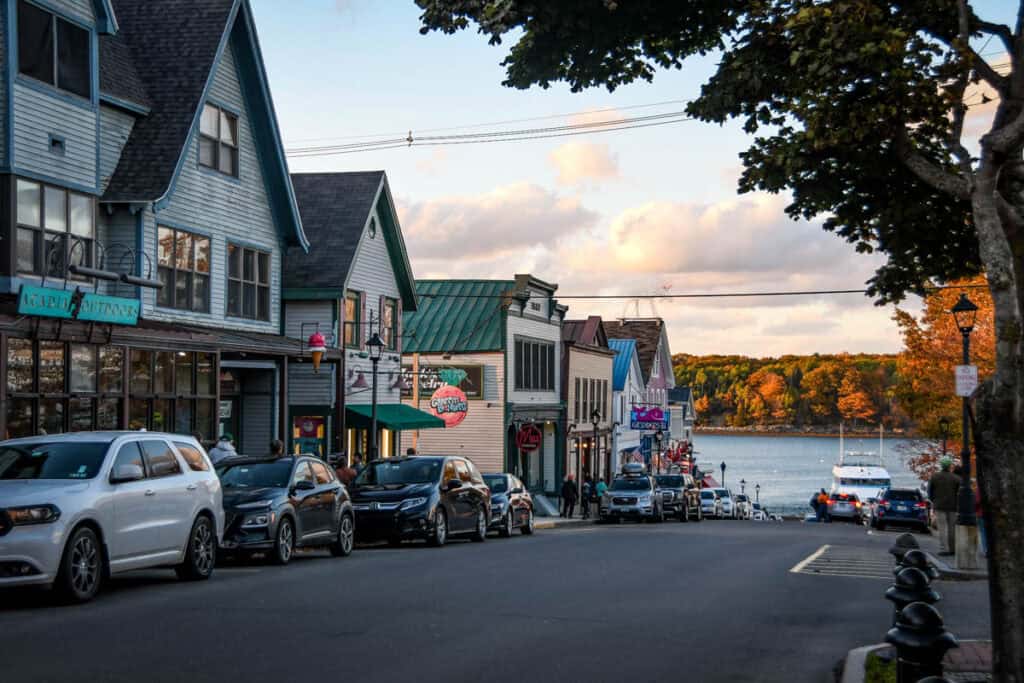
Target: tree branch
{"points": [[1002, 31], [998, 81], [929, 172], [1004, 139]]}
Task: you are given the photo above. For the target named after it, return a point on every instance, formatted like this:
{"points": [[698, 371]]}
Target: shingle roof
{"points": [[173, 44], [586, 332], [624, 350], [334, 208], [118, 75], [457, 316], [647, 334]]}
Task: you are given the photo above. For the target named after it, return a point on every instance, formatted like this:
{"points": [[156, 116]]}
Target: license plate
{"points": [[901, 508]]}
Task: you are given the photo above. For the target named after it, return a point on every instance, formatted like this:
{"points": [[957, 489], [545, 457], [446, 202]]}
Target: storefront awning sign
{"points": [[47, 302], [648, 419], [529, 438], [450, 404]]}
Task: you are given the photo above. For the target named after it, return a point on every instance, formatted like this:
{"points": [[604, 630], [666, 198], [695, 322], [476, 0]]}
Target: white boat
{"points": [[861, 473]]}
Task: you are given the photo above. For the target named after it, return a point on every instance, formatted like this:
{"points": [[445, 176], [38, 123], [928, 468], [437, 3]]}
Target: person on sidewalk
{"points": [[588, 491], [813, 502], [821, 511], [568, 496], [943, 489], [277, 448], [346, 473], [223, 449], [601, 488]]}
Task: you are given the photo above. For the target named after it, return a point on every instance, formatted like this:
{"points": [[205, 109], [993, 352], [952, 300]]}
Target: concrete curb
{"points": [[856, 660], [954, 574], [541, 524]]}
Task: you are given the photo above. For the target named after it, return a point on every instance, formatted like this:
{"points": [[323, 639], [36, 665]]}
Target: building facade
{"points": [[627, 390], [147, 208], [588, 399]]}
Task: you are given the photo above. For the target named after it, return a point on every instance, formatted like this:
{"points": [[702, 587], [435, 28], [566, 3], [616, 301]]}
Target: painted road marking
{"points": [[829, 560], [799, 566]]}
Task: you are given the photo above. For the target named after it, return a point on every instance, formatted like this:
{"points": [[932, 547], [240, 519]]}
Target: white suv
{"points": [[76, 508], [728, 506]]}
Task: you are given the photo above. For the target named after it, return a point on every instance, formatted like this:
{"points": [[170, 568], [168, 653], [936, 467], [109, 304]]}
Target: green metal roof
{"points": [[456, 316]]}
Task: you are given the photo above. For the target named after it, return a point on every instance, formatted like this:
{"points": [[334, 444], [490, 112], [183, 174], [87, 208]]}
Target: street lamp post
{"points": [[757, 493], [595, 458], [723, 474], [965, 312], [375, 346], [743, 486], [944, 430]]}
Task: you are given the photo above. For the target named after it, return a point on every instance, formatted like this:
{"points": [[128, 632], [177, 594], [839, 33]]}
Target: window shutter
{"points": [[364, 320]]}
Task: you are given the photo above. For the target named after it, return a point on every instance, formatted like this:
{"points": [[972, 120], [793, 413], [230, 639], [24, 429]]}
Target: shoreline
{"points": [[725, 431]]}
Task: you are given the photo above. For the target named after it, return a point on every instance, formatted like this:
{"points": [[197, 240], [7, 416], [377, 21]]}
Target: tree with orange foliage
{"points": [[702, 406], [853, 402]]}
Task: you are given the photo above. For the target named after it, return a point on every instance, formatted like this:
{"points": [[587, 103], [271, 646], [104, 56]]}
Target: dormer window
{"points": [[53, 50], [218, 140]]}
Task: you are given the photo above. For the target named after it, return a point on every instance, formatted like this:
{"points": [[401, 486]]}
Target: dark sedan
{"points": [[901, 506], [421, 497], [276, 506], [511, 504]]}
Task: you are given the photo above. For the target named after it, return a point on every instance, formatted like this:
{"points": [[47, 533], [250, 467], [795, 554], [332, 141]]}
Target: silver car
{"points": [[710, 503], [632, 496], [76, 508]]}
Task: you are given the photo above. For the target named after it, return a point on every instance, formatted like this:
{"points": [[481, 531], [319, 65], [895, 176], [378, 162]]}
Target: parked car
{"points": [[903, 507], [632, 495], [279, 505], [845, 506], [77, 508], [758, 513], [421, 497], [744, 508], [710, 503], [680, 496], [511, 504], [728, 504]]}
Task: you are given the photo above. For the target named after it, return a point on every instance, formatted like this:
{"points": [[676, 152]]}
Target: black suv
{"points": [[428, 497], [680, 496], [278, 505]]}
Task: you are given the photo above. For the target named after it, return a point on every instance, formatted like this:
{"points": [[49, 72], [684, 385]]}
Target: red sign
{"points": [[449, 403], [529, 438]]}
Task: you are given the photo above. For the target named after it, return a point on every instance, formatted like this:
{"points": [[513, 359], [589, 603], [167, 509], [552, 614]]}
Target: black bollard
{"points": [[912, 585], [921, 642], [919, 560], [904, 542]]}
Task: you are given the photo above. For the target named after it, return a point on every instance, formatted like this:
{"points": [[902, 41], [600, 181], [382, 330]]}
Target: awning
{"points": [[394, 416]]}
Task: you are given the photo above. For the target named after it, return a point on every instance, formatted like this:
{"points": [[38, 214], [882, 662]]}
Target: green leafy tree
{"points": [[858, 111]]}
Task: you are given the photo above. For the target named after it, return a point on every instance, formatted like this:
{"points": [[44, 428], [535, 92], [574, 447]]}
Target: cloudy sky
{"points": [[643, 211]]}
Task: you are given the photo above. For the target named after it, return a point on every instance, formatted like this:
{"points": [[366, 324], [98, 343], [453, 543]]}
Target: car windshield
{"points": [[496, 483], [722, 493], [741, 498], [707, 495], [631, 484], [671, 482], [55, 460], [400, 472], [850, 481], [274, 474], [896, 494]]}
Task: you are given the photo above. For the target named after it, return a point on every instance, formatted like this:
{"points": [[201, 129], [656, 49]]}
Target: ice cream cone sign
{"points": [[317, 347]]}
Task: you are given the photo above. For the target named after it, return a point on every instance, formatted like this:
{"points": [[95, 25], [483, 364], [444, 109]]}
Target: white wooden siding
{"points": [[37, 115], [297, 313], [388, 369], [116, 231], [371, 274], [82, 10], [309, 388], [115, 127], [481, 436], [226, 209], [587, 366], [533, 329]]}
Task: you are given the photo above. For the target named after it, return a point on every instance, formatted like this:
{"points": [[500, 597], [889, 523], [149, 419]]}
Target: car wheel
{"points": [[527, 528], [440, 535], [880, 526], [480, 533], [342, 546], [925, 529], [284, 543], [508, 526], [201, 553], [81, 567]]}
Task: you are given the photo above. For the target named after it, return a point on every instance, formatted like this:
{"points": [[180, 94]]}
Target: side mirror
{"points": [[304, 485], [516, 490], [453, 484], [126, 473]]}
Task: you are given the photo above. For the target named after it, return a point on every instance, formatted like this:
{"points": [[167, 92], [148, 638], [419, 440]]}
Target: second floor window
{"points": [[183, 266], [389, 323], [218, 140], [53, 50], [56, 229], [248, 283], [352, 315], [535, 365]]}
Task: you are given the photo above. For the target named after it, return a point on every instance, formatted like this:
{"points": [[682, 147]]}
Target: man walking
{"points": [[943, 490], [822, 510], [588, 489], [568, 496]]}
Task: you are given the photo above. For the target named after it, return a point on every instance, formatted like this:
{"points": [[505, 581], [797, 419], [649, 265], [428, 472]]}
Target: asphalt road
{"points": [[674, 602]]}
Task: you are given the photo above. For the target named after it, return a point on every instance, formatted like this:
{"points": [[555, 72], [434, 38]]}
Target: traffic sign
{"points": [[966, 379]]}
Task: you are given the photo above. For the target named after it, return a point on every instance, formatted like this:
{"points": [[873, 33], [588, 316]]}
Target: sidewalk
{"points": [[969, 663], [947, 564], [559, 522]]}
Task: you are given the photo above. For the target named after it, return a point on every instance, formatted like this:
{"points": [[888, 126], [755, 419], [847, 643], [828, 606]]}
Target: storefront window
{"points": [[51, 416], [142, 373], [138, 418], [19, 418], [161, 415], [111, 369], [83, 368], [81, 414], [108, 413], [204, 374], [206, 414], [183, 371], [19, 365], [51, 368], [163, 374], [183, 421]]}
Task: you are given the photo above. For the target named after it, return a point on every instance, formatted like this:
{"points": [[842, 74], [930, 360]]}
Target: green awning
{"points": [[394, 416]]}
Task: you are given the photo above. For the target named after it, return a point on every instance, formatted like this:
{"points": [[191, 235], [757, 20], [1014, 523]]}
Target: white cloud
{"points": [[577, 162]]}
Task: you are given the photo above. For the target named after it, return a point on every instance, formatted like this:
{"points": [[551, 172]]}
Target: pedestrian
{"points": [[198, 436], [943, 489], [601, 488], [224, 448], [568, 496], [822, 509], [814, 506], [346, 473], [588, 491], [276, 448], [410, 451]]}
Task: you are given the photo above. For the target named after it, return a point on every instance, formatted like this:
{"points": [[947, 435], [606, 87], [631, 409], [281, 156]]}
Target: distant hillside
{"points": [[799, 391]]}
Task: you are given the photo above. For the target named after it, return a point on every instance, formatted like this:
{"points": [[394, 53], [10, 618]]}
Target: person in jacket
{"points": [[813, 502], [601, 488], [943, 489], [224, 448], [276, 448], [822, 510], [568, 496], [346, 473], [588, 492]]}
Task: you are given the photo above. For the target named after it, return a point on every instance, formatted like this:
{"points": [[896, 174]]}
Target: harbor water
{"points": [[790, 468]]}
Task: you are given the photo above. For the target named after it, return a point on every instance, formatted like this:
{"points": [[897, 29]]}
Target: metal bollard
{"points": [[912, 585], [904, 542], [918, 560], [921, 642]]}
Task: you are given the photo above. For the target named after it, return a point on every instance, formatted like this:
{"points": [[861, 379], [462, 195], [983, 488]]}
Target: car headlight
{"points": [[411, 503], [260, 520], [33, 514], [644, 500]]}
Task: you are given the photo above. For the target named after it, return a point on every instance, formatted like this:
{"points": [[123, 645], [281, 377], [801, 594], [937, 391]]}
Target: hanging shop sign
{"points": [[450, 404], [47, 302], [648, 419], [468, 378], [529, 438]]}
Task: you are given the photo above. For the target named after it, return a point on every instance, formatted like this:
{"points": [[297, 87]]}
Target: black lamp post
{"points": [[723, 474], [965, 312], [944, 430], [595, 457], [757, 492], [657, 440], [375, 346], [743, 486]]}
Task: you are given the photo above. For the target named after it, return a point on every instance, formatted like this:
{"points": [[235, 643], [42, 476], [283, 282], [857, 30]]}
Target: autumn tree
{"points": [[702, 406], [853, 401]]}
